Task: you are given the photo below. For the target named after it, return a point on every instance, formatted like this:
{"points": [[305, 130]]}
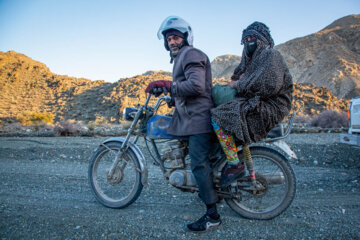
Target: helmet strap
{"points": [[171, 58]]}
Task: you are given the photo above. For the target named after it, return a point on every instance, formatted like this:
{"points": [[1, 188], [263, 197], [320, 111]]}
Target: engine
{"points": [[174, 159], [175, 154], [180, 178]]}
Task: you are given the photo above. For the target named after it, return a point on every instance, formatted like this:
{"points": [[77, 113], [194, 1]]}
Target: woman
{"points": [[264, 94]]}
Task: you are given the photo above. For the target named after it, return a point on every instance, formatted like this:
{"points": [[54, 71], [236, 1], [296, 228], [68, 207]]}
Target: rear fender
{"points": [[282, 150], [285, 148], [279, 147], [139, 155]]}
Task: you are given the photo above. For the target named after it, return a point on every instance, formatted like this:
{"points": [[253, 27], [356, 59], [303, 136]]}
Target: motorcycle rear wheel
{"points": [[123, 187], [276, 176]]}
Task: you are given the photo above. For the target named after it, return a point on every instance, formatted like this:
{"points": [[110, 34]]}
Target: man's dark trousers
{"points": [[200, 147]]}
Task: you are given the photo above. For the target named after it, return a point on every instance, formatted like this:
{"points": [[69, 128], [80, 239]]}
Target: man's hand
{"points": [[158, 87]]}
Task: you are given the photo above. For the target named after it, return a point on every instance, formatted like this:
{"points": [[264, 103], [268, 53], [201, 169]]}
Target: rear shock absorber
{"points": [[249, 164]]}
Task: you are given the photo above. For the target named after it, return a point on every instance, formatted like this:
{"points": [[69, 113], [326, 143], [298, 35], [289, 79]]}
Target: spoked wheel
{"points": [[120, 188], [275, 187]]}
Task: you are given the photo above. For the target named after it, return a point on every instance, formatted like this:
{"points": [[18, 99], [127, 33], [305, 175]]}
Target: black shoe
{"points": [[205, 223], [231, 173]]}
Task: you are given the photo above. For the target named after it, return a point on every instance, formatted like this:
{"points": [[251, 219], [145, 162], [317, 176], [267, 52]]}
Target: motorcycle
{"points": [[118, 169]]}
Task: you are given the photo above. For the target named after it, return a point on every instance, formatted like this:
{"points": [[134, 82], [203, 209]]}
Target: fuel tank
{"points": [[156, 127]]}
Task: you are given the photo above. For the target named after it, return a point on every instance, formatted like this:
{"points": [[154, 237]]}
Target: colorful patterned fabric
{"points": [[228, 144]]}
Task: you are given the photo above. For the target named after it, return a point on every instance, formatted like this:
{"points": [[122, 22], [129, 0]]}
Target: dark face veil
{"points": [[263, 40]]}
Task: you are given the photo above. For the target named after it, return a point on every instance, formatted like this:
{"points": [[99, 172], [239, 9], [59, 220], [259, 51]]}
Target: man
{"points": [[191, 91]]}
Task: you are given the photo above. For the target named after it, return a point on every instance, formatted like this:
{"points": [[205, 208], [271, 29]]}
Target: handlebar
{"points": [[167, 99]]}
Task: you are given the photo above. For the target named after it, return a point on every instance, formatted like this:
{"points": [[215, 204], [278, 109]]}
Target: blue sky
{"points": [[108, 39]]}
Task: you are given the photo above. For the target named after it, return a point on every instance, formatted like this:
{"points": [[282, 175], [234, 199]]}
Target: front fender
{"points": [[139, 155]]}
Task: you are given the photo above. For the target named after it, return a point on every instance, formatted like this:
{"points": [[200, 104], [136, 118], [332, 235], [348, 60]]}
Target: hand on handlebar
{"points": [[157, 91], [158, 87]]}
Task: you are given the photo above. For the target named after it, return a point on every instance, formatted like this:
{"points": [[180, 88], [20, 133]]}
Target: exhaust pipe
{"points": [[274, 178]]}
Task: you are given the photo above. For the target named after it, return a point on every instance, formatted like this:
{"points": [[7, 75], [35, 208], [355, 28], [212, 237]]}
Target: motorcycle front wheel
{"points": [[123, 186], [276, 186]]}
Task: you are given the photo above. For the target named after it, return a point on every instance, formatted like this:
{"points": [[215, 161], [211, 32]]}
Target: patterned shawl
{"points": [[264, 87]]}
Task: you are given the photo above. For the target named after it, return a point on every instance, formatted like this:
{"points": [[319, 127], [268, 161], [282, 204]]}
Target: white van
{"points": [[353, 135], [354, 115]]}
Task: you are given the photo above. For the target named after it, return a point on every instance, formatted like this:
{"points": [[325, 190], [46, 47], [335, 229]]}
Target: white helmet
{"points": [[177, 23]]}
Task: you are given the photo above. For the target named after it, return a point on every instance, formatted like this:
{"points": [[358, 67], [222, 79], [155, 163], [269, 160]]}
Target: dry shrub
{"points": [[6, 121], [42, 126], [302, 119], [112, 119], [68, 128], [125, 124], [34, 118], [13, 127], [330, 119], [99, 122]]}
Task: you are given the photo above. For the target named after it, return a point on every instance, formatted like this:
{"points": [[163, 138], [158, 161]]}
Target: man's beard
{"points": [[174, 52]]}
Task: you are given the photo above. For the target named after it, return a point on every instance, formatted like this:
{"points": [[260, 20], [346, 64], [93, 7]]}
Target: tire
{"points": [[273, 171], [114, 193]]}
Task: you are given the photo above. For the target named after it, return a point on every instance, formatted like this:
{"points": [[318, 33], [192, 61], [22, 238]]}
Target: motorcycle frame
{"points": [[143, 114], [127, 144]]}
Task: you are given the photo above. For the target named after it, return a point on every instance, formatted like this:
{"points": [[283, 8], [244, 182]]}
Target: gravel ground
{"points": [[44, 194]]}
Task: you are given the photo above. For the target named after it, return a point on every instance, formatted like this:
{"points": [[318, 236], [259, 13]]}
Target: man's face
{"points": [[174, 42]]}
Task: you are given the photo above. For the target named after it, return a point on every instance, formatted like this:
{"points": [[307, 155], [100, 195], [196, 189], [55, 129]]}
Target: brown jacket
{"points": [[191, 89]]}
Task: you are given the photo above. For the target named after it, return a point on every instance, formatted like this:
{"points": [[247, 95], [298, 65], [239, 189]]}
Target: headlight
{"points": [[129, 113]]}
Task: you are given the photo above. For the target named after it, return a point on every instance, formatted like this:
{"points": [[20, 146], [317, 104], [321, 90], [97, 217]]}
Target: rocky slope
{"points": [[26, 84], [329, 58], [224, 66], [29, 85]]}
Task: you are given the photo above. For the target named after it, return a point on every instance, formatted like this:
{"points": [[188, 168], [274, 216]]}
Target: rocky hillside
{"points": [[28, 85], [224, 66], [329, 58]]}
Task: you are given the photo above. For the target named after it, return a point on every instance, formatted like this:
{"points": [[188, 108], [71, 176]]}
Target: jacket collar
{"points": [[181, 51]]}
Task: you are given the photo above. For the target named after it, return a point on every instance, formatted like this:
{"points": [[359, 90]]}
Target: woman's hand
{"points": [[232, 84]]}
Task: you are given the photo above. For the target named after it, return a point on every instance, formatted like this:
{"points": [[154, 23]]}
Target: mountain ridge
{"points": [[328, 58], [28, 85]]}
